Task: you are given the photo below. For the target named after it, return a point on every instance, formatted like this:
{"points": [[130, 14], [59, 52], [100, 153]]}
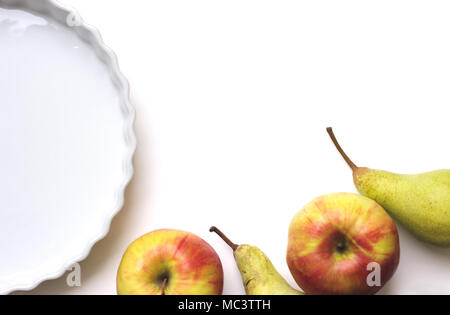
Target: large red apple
{"points": [[170, 262], [340, 243]]}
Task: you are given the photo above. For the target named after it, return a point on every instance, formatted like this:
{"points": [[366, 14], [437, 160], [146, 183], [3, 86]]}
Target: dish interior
{"points": [[61, 142]]}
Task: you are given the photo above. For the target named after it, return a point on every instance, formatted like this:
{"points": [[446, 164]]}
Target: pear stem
{"points": [[223, 236], [341, 151], [163, 286]]}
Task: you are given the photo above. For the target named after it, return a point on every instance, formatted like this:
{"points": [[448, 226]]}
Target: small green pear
{"points": [[259, 276], [420, 202]]}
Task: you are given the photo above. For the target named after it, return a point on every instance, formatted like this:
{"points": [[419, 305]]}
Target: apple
{"points": [[170, 262], [342, 243]]}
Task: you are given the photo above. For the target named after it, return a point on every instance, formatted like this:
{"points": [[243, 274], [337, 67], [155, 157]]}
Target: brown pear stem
{"points": [[163, 286], [341, 151], [223, 236]]}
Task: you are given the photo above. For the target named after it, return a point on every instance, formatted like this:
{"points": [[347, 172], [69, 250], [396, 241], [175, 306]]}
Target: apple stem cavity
{"points": [[341, 151], [223, 236], [163, 286], [341, 247]]}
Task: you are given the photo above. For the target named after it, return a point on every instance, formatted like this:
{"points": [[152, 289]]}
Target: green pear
{"points": [[259, 276], [420, 202]]}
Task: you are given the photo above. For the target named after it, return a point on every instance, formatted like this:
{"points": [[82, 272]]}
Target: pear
{"points": [[420, 202], [259, 276]]}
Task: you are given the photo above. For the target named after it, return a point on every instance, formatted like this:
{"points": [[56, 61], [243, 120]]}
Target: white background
{"points": [[232, 101]]}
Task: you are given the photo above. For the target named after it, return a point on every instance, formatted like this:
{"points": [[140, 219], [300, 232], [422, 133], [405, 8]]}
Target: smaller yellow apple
{"points": [[170, 262]]}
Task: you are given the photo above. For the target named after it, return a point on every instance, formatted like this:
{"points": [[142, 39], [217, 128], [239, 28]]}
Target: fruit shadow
{"points": [[121, 223], [417, 256]]}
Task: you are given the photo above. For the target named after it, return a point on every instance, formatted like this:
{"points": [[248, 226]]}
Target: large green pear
{"points": [[420, 202], [259, 276]]}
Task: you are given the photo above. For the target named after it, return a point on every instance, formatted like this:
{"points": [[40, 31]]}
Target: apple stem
{"points": [[341, 151], [163, 286], [223, 236]]}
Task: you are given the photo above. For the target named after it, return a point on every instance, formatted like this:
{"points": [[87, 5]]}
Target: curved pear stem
{"points": [[341, 151], [223, 236], [163, 286]]}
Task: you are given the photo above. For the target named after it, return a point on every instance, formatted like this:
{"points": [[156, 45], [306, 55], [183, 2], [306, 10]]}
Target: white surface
{"points": [[66, 142], [232, 101]]}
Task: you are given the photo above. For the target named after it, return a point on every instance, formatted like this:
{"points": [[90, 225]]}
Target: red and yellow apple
{"points": [[170, 262], [334, 242]]}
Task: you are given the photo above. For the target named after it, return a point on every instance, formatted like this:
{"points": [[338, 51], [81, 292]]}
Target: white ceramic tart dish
{"points": [[66, 141]]}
